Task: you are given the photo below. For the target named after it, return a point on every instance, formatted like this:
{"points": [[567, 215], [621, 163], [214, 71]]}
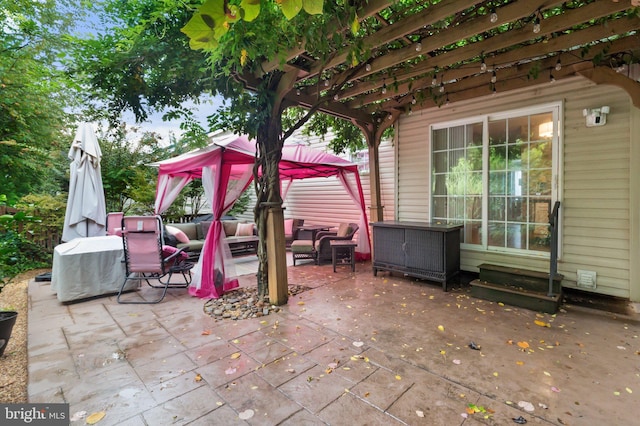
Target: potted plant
{"points": [[7, 321]]}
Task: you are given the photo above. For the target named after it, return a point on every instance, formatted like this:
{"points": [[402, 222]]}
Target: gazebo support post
{"points": [[373, 135], [276, 256]]}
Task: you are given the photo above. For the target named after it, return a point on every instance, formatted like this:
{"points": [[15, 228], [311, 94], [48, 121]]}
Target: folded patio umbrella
{"points": [[86, 213]]}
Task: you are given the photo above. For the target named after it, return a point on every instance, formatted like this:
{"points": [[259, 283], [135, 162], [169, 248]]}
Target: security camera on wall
{"points": [[596, 116]]}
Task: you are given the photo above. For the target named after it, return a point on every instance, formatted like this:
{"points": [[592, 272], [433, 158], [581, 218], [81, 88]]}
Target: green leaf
{"points": [[290, 8], [207, 25], [250, 9], [355, 25], [313, 7]]}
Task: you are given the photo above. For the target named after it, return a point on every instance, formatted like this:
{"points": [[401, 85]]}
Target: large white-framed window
{"points": [[496, 174]]}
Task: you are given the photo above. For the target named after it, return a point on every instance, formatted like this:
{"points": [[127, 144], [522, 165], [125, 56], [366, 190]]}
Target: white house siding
{"points": [[324, 200], [595, 181]]}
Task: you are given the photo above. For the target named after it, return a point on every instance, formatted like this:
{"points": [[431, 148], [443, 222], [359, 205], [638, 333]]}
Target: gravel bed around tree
{"points": [[243, 303]]}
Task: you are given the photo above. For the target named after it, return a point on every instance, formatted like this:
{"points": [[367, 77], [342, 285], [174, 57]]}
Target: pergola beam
{"points": [[505, 40]]}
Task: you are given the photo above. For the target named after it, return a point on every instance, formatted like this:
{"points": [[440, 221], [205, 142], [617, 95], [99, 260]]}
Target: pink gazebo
{"points": [[225, 167]]}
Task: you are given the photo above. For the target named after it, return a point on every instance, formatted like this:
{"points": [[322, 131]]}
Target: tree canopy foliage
{"points": [[34, 94]]}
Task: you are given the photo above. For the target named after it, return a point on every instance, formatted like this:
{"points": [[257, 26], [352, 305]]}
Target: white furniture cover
{"points": [[88, 267]]}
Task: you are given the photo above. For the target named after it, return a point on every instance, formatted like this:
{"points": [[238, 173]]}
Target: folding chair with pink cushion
{"points": [[148, 260], [114, 223]]}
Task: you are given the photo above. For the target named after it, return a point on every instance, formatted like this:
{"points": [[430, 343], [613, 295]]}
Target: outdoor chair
{"points": [[291, 228], [148, 260], [114, 223], [322, 247]]}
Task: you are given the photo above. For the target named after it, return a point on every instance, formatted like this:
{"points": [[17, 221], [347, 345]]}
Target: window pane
{"points": [[474, 156], [539, 237], [439, 140], [497, 234], [516, 236], [474, 135], [498, 183], [473, 208], [456, 137], [440, 161], [473, 233], [542, 127], [440, 184], [516, 183], [497, 208], [498, 158], [518, 129], [539, 210], [516, 209], [498, 132], [440, 207], [456, 208]]}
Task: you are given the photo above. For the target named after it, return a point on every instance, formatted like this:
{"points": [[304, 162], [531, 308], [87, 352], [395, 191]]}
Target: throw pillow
{"points": [[288, 227], [343, 230], [244, 230], [230, 227], [180, 236], [168, 251]]}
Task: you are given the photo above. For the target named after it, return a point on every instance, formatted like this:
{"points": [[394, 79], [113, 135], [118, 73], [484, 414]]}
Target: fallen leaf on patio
{"points": [[456, 361], [520, 362], [206, 332], [526, 406], [290, 370], [475, 347], [235, 355], [263, 322], [198, 378], [443, 352], [254, 387], [555, 389], [519, 420], [628, 390], [546, 373], [246, 414], [441, 328], [500, 304], [420, 413], [366, 394], [398, 377], [301, 303], [542, 323], [236, 340], [543, 406], [523, 345], [95, 417], [230, 371], [219, 403], [622, 348], [616, 393], [495, 373], [358, 344], [78, 416]]}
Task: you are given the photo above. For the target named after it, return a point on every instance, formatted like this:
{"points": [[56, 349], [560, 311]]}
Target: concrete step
{"points": [[533, 281], [516, 296]]}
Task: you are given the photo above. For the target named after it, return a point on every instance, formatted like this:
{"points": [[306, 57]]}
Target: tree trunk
{"points": [[269, 141]]}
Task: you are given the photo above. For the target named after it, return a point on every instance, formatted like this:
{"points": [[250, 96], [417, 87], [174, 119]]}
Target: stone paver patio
{"points": [[353, 350]]}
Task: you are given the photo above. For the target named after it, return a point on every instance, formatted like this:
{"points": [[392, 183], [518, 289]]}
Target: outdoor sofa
{"points": [[241, 236]]}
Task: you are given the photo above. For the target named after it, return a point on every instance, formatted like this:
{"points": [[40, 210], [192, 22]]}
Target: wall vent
{"points": [[586, 279]]}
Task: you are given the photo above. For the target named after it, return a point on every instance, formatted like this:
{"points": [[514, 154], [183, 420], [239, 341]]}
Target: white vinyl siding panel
{"points": [[594, 185], [324, 200]]}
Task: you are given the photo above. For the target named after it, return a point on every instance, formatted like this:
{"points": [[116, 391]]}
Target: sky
{"points": [[92, 24]]}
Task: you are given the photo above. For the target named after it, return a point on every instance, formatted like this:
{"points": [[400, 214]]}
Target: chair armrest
{"points": [[326, 234]]}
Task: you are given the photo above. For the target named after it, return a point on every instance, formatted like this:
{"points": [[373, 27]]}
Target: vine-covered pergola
{"points": [[398, 56]]}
